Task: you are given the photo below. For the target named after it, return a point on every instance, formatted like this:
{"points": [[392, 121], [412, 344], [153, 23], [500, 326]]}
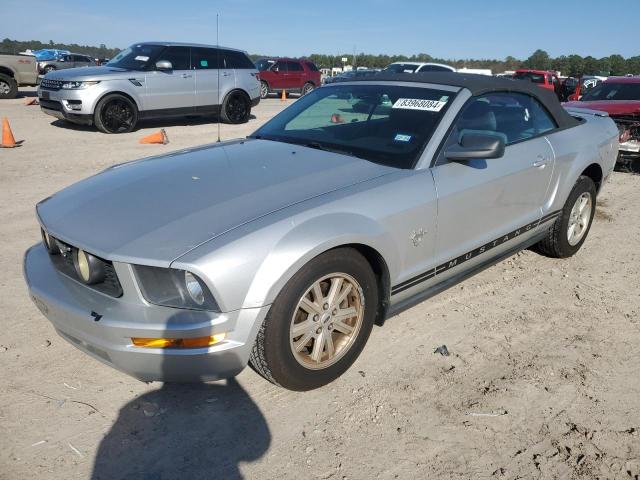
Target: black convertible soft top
{"points": [[478, 85]]}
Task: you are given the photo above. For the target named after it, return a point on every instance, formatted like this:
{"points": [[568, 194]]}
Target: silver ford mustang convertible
{"points": [[283, 250]]}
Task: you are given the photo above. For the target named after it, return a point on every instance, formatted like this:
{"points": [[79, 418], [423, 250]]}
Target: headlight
{"points": [[77, 85], [174, 288], [194, 288], [90, 269], [49, 243]]}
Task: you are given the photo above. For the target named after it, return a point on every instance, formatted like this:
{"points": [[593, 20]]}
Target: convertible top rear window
{"points": [[386, 124]]}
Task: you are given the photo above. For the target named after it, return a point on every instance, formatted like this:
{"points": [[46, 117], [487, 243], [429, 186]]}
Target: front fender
{"points": [[248, 266], [308, 240]]}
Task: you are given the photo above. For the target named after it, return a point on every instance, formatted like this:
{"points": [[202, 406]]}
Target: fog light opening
{"points": [[198, 342]]}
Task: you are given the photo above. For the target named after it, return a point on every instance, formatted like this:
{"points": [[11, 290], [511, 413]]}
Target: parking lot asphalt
{"points": [[542, 380]]}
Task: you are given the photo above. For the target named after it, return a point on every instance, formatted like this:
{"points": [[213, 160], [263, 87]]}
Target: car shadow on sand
{"points": [[151, 123], [191, 431]]}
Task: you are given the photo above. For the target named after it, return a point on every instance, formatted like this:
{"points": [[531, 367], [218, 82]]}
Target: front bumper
{"points": [[70, 307], [76, 106]]}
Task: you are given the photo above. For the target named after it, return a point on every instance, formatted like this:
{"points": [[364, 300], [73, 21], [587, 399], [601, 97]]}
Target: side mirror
{"points": [[275, 69], [475, 146], [164, 65]]}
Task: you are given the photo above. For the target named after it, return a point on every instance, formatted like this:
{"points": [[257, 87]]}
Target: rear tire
{"points": [[8, 86], [115, 113], [571, 228], [300, 320], [236, 108]]}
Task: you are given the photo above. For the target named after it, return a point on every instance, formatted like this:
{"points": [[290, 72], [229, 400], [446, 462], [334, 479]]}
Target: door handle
{"points": [[541, 162], [186, 75], [226, 74]]}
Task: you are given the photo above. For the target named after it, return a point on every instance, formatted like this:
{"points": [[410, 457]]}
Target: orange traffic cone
{"points": [[283, 98], [32, 101], [158, 137], [7, 136]]}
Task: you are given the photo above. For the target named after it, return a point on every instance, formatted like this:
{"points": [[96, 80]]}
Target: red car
{"points": [[290, 75], [620, 98], [542, 78]]}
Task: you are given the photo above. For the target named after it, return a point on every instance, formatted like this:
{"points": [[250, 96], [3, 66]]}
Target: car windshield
{"points": [[613, 91], [262, 65], [386, 124], [401, 68], [136, 57], [532, 77]]}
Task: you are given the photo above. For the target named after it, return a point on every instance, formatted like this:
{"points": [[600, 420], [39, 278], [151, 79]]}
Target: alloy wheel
{"points": [[117, 116], [579, 219], [237, 109], [326, 321], [4, 87]]}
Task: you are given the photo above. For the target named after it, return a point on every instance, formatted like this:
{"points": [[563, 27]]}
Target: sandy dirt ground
{"points": [[543, 380]]}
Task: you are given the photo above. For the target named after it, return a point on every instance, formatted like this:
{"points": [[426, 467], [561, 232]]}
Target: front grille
{"points": [[48, 84], [51, 105], [63, 262]]}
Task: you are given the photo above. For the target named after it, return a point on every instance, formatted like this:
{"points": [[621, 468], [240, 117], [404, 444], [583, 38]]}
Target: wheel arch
{"points": [[7, 71], [594, 172], [236, 90], [116, 92]]}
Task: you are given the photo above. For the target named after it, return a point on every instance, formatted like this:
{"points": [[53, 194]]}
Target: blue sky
{"points": [[445, 28]]}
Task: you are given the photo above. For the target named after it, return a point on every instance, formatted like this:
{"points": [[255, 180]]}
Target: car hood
{"points": [[154, 210], [89, 73], [612, 107]]}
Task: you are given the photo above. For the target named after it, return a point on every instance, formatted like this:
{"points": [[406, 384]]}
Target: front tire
{"points": [[236, 108], [264, 89], [8, 86], [319, 323], [308, 88], [571, 228], [115, 114]]}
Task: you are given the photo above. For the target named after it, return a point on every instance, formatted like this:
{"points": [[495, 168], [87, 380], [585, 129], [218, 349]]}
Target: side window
{"points": [[514, 117], [294, 67], [205, 58], [281, 66], [237, 60], [178, 56], [312, 66], [433, 68]]}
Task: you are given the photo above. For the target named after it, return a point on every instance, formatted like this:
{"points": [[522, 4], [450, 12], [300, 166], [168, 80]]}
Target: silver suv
{"points": [[151, 80]]}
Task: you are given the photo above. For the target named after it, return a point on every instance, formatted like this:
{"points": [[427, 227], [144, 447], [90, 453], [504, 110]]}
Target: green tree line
{"points": [[571, 65]]}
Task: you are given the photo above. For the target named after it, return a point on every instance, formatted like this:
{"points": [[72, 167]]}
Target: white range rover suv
{"points": [[152, 80]]}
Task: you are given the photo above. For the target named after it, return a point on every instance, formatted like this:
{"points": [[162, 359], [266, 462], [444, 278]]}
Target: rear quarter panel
{"points": [[595, 140]]}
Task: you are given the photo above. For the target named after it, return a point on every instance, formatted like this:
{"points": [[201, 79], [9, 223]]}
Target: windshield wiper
{"points": [[319, 146]]}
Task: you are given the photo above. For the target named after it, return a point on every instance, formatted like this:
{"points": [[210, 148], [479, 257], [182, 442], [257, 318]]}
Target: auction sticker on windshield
{"points": [[420, 104]]}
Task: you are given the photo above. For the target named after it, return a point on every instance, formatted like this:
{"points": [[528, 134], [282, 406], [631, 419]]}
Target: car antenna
{"points": [[218, 68]]}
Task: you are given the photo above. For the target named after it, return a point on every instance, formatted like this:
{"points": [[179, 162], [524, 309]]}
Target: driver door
{"points": [[171, 91], [486, 207], [279, 75]]}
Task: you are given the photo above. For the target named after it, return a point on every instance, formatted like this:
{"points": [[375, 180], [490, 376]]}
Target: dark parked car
{"points": [[277, 74], [70, 60]]}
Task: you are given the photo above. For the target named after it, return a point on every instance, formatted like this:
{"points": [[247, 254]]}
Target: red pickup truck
{"points": [[620, 98], [542, 78]]}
